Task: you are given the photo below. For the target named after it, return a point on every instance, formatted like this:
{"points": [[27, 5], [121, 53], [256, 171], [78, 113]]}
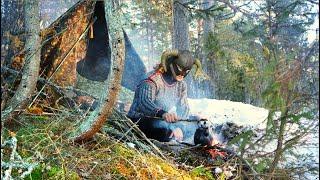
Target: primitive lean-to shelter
{"points": [[75, 51], [76, 55]]}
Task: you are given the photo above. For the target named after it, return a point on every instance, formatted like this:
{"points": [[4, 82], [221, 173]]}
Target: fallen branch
{"points": [[15, 161], [134, 127]]}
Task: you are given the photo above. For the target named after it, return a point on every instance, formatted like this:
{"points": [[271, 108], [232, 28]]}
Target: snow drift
{"points": [[222, 111]]}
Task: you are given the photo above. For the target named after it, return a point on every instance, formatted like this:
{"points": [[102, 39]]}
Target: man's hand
{"points": [[170, 117], [177, 134]]}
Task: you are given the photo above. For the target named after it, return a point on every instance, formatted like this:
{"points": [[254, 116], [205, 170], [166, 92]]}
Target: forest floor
{"points": [[116, 152], [44, 140]]}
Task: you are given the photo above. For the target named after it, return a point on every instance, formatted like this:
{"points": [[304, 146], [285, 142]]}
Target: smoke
{"points": [[150, 57]]}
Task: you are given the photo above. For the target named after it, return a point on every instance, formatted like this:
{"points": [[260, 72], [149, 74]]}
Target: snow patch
{"points": [[222, 111], [241, 114]]}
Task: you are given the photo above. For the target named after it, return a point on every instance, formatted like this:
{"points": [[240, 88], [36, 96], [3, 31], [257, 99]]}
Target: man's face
{"points": [[179, 72], [179, 78]]}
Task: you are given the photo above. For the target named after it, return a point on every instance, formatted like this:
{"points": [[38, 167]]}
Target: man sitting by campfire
{"points": [[160, 101]]}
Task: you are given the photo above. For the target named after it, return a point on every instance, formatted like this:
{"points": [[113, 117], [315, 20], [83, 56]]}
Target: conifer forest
{"points": [[159, 89]]}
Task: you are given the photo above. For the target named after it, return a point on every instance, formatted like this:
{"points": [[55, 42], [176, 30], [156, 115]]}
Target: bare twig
{"points": [[13, 163], [140, 133]]}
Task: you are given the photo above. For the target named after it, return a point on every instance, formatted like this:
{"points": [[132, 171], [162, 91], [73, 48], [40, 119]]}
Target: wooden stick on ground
{"points": [[140, 133]]}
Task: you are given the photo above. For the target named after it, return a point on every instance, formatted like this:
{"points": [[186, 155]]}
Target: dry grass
{"points": [[44, 139]]}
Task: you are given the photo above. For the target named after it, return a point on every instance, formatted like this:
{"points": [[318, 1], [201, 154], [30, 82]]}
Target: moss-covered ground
{"points": [[44, 139]]}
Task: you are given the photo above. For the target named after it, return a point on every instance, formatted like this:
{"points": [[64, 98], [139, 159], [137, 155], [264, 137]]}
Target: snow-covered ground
{"points": [[222, 111]]}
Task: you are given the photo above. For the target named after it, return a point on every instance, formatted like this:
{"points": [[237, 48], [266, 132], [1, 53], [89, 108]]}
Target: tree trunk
{"points": [[279, 149], [148, 40], [208, 23], [208, 63], [32, 60], [113, 84], [198, 50], [180, 38], [152, 40]]}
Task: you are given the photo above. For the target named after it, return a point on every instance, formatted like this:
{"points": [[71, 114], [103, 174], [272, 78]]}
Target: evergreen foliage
{"points": [[257, 52]]}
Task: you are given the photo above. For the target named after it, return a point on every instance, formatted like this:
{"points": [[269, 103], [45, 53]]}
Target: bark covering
{"points": [[108, 98], [180, 39]]}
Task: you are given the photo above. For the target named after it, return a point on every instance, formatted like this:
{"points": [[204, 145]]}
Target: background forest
{"points": [[259, 52]]}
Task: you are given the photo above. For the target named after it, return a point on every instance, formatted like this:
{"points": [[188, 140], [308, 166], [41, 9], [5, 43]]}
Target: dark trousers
{"points": [[161, 130], [154, 128]]}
